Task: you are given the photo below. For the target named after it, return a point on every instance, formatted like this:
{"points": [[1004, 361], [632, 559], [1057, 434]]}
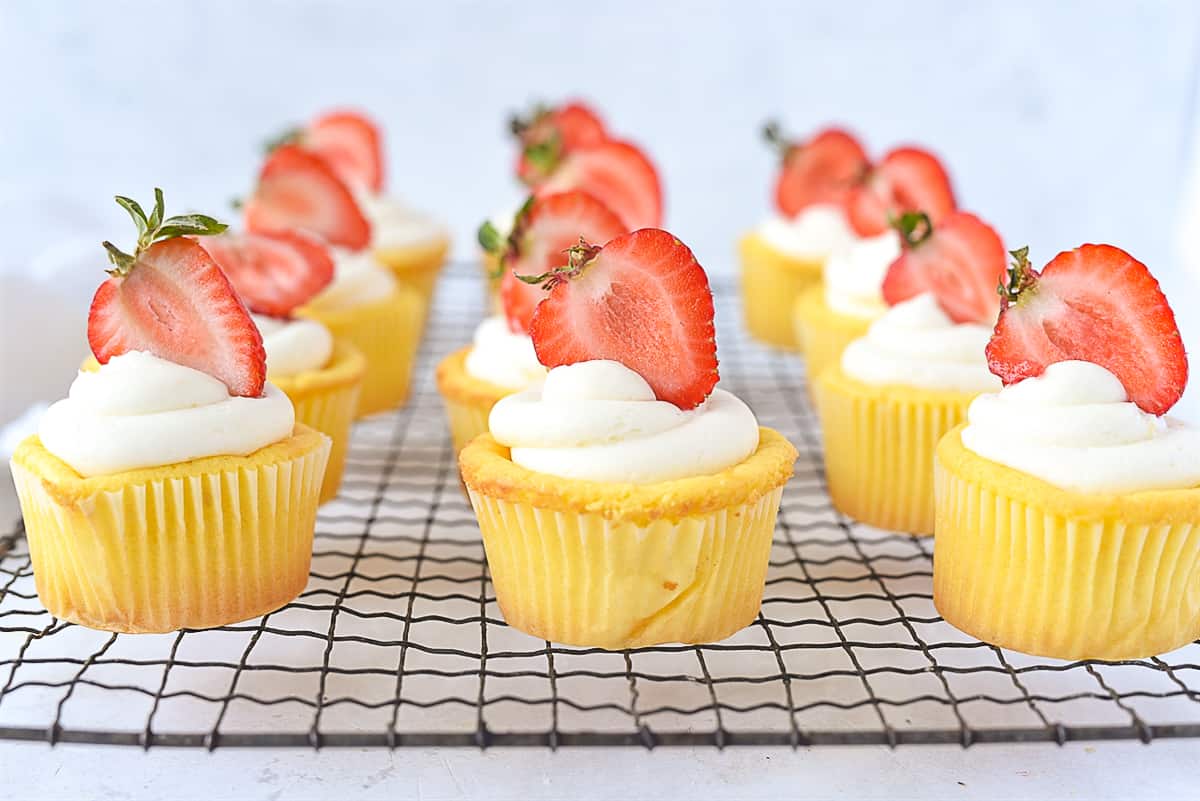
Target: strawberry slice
{"points": [[273, 273], [908, 179], [641, 300], [1097, 304], [170, 298], [960, 260], [619, 175], [351, 144], [821, 170], [298, 189], [550, 134], [544, 229]]}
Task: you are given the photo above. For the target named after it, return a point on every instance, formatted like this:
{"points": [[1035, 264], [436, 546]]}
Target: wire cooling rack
{"points": [[397, 640]]}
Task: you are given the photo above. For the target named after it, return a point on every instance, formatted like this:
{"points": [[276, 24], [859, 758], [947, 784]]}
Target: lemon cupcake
{"points": [[172, 488], [625, 502], [1068, 506]]}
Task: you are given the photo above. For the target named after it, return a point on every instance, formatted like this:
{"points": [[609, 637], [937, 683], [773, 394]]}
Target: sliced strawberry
{"points": [[518, 300], [298, 189], [173, 301], [272, 273], [617, 174], [908, 179], [1096, 304], [551, 134], [960, 260], [821, 170], [352, 145], [641, 300]]}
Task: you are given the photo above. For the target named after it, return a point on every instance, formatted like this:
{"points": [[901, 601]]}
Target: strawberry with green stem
{"points": [[906, 179], [549, 133], [821, 170], [618, 174], [348, 141]]}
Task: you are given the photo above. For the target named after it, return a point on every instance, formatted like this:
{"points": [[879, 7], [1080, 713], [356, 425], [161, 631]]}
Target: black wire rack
{"points": [[397, 640]]}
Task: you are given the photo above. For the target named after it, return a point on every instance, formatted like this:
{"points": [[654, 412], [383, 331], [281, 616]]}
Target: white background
{"points": [[1061, 125]]}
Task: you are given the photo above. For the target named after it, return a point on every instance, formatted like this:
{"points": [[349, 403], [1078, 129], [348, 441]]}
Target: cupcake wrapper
{"points": [[823, 333], [467, 421], [582, 579], [181, 551], [1027, 577], [879, 447], [387, 332], [417, 267], [468, 400], [771, 283]]}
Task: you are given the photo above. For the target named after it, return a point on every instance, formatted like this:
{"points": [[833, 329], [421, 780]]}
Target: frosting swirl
{"points": [[600, 421], [503, 358], [357, 279], [142, 411], [915, 344], [814, 233], [294, 346], [854, 275], [1074, 427], [393, 225]]}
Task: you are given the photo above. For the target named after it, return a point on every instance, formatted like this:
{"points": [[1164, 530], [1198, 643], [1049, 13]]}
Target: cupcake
{"points": [[784, 255], [172, 488], [829, 316], [894, 392], [365, 304], [626, 502], [274, 274], [1068, 506], [502, 360]]}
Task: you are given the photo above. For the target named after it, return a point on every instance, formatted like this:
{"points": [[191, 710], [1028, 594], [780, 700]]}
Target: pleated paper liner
{"points": [[1049, 572], [387, 332], [771, 282], [417, 266], [823, 333], [326, 400], [621, 566], [879, 446], [468, 400], [194, 545]]}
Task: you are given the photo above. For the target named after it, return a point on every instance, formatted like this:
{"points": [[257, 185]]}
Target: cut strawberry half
{"points": [[908, 179], [641, 300], [1096, 304], [298, 189], [821, 170], [551, 134], [619, 175], [543, 231], [273, 273], [960, 260], [351, 144]]}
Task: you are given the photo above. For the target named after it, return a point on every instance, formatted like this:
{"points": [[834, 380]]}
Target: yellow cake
{"points": [[618, 565], [197, 544], [879, 446], [771, 282], [469, 400], [417, 266], [822, 332], [1052, 572]]}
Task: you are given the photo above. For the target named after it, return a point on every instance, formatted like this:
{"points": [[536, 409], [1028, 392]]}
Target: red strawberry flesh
{"points": [[299, 190], [352, 146], [619, 175], [908, 179], [821, 170], [273, 273]]}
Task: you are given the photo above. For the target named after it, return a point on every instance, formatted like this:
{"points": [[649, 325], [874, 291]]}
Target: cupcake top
{"points": [[182, 367], [293, 346], [358, 279], [627, 332], [853, 275], [1091, 359], [394, 225], [503, 358], [816, 232]]}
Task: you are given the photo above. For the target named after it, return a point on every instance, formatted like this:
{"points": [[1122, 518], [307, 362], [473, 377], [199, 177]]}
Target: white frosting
{"points": [[394, 225], [357, 279], [599, 421], [815, 233], [294, 346], [503, 358], [142, 411], [854, 275], [915, 344], [1074, 427]]}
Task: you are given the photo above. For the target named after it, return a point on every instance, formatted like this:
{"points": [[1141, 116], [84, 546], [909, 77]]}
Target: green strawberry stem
{"points": [[153, 228], [773, 134], [1020, 277], [578, 258], [914, 227], [518, 125], [290, 136]]}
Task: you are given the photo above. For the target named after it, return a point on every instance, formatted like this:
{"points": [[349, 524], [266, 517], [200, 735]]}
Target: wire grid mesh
{"points": [[397, 639]]}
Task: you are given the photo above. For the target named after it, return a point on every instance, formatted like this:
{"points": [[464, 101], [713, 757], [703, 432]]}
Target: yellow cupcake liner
{"points": [[489, 266], [417, 266], [822, 332], [1029, 566], [771, 282], [468, 400], [326, 400], [387, 332], [623, 566], [193, 545], [879, 447]]}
